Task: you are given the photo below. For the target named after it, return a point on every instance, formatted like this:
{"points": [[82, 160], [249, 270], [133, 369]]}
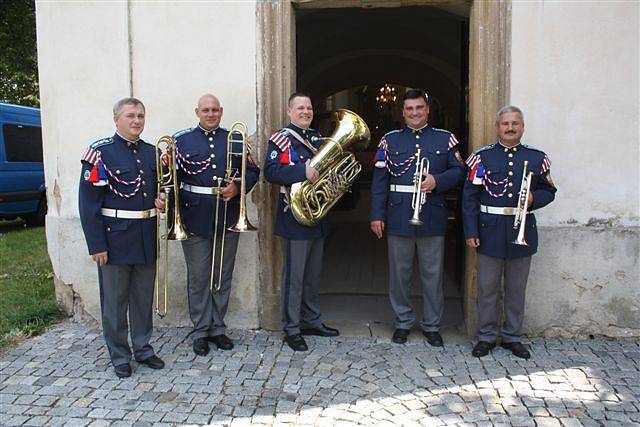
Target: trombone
{"points": [[520, 219], [419, 197], [231, 175], [167, 184]]}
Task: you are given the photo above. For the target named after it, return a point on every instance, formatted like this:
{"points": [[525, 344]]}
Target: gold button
{"points": [[437, 151], [144, 183], [213, 166], [511, 184], [108, 228], [210, 139], [135, 151], [211, 145], [515, 148], [506, 149], [188, 155], [397, 152], [144, 194], [117, 171], [212, 155], [417, 136], [510, 195], [510, 163], [510, 154], [488, 172], [141, 172]]}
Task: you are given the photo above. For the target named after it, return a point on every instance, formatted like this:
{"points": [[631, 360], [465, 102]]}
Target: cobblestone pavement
{"points": [[64, 378]]}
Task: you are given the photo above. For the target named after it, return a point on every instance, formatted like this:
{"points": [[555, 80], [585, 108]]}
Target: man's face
{"points": [[301, 112], [415, 112], [209, 112], [510, 128], [130, 121]]}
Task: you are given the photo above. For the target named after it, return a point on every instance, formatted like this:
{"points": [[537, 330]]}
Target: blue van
{"points": [[22, 190]]}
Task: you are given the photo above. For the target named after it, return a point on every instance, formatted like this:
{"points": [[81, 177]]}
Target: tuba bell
{"points": [[167, 184], [337, 169]]}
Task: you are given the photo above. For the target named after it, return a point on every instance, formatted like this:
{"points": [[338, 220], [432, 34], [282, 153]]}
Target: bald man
{"points": [[202, 164]]}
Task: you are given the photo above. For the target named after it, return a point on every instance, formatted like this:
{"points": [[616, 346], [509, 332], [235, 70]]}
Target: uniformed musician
{"points": [[489, 198], [202, 162], [392, 193], [287, 162], [117, 203]]}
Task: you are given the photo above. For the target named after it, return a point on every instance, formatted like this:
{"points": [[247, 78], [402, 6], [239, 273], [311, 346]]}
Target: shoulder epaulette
{"points": [[530, 147], [441, 130], [393, 131], [182, 132], [281, 139], [101, 142], [485, 148]]}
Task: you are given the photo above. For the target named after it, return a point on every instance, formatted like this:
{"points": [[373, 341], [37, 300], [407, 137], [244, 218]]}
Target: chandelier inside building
{"points": [[386, 95]]}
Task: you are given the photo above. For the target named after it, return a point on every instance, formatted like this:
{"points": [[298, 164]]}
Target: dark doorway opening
{"points": [[364, 60]]}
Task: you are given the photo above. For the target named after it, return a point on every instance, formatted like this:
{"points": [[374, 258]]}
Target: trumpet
{"points": [[520, 219], [231, 175], [419, 197], [167, 184]]}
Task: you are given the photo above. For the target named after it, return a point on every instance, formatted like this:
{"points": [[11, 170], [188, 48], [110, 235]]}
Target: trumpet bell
{"points": [[242, 226], [415, 221]]}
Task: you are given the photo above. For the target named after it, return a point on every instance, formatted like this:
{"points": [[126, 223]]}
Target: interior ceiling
{"points": [[412, 46]]}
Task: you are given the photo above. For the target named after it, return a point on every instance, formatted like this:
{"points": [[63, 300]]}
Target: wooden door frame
{"points": [[489, 84]]}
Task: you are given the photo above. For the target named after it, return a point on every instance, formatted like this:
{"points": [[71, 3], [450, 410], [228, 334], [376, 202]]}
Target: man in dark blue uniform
{"points": [[392, 192], [206, 197], [489, 202], [287, 162], [117, 203]]}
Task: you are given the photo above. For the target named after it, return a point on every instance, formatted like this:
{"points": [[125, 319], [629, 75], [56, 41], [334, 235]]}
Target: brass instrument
{"points": [[231, 175], [167, 184], [337, 169], [419, 197], [520, 220]]}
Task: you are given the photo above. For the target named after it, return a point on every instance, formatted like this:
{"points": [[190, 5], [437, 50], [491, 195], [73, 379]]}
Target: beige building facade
{"points": [[553, 59]]}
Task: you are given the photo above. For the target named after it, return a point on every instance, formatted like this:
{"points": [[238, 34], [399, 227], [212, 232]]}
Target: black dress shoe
{"points": [[400, 336], [201, 346], [222, 341], [482, 348], [296, 342], [518, 349], [434, 338], [322, 331], [123, 371], [154, 362]]}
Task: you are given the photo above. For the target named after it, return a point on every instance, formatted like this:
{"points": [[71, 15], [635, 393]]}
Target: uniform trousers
{"points": [[300, 282], [490, 272], [127, 288], [207, 308], [430, 253]]}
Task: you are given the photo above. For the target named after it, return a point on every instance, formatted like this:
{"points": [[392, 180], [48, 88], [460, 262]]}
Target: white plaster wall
{"points": [[180, 50], [575, 73]]}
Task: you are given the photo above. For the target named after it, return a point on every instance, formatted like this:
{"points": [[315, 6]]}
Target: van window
{"points": [[22, 143]]}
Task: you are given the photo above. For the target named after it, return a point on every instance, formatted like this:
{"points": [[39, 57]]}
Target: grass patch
{"points": [[27, 295]]}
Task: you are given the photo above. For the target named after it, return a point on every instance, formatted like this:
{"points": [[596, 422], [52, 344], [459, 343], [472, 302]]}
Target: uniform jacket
{"points": [[202, 159], [285, 165], [395, 164], [495, 177], [125, 175]]}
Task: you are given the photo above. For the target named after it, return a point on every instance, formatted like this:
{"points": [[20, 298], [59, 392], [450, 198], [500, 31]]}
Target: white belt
{"points": [[494, 210], [200, 190], [401, 188], [121, 213]]}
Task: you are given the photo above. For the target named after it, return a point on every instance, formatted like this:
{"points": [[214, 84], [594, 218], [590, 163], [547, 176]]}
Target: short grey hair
{"points": [[509, 109], [117, 107]]}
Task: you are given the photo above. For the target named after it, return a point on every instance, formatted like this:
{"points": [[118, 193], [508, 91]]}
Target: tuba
{"points": [[167, 183], [337, 169]]}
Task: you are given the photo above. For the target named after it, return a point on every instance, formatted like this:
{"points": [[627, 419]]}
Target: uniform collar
{"points": [[299, 129], [507, 149], [208, 132], [124, 140], [419, 130]]}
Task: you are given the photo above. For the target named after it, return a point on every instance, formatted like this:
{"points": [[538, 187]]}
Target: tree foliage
{"points": [[19, 63]]}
